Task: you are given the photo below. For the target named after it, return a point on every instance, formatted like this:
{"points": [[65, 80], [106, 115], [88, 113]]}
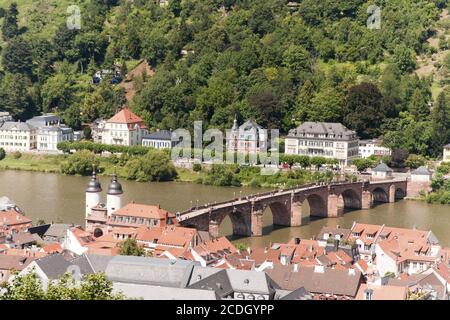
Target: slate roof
{"points": [[19, 126], [331, 281], [422, 171], [382, 167], [339, 131], [159, 135], [150, 271], [98, 262], [226, 282], [199, 273], [58, 230], [217, 282], [148, 292], [84, 264], [54, 266], [298, 294]]}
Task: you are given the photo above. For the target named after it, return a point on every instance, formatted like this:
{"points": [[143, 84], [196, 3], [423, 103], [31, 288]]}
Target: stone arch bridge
{"points": [[286, 205]]}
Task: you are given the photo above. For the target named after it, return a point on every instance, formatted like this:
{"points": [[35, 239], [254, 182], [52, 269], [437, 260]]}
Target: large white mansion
{"points": [[329, 140]]}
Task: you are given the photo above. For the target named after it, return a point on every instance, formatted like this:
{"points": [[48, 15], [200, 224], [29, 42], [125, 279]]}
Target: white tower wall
{"points": [[92, 199], [113, 203]]}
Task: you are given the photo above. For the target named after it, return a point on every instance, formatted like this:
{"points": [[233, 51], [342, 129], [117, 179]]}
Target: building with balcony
{"points": [[329, 140], [247, 138], [125, 129], [49, 137]]}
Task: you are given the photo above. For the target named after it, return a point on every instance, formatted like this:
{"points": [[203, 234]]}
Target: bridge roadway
{"points": [[286, 205]]}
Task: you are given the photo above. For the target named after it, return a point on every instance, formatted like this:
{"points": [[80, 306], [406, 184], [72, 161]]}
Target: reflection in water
{"points": [[60, 198]]}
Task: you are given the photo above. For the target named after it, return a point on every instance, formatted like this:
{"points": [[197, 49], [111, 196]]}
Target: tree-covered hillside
{"points": [[217, 59]]}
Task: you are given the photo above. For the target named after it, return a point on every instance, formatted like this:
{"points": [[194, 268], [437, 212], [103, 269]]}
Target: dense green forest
{"points": [[214, 59]]}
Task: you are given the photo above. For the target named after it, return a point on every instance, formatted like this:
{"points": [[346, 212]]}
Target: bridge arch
{"points": [[349, 199], [400, 193], [280, 213], [380, 195], [317, 205], [240, 222]]}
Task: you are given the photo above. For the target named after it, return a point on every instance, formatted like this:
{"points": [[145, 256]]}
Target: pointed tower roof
{"points": [[235, 124], [94, 185]]}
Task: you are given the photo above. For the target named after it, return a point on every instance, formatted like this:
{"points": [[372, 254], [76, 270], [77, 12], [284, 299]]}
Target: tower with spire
{"points": [[93, 193], [114, 195]]}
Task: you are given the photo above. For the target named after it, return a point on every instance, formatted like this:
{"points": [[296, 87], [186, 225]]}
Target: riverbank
{"points": [[61, 198], [141, 169], [52, 164]]}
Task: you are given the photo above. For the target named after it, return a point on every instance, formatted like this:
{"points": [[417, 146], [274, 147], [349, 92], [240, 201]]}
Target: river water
{"points": [[60, 198]]}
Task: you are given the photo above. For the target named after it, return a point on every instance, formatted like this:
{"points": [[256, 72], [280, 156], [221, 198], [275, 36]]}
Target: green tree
{"points": [[418, 106], [17, 56], [130, 247], [404, 58], [2, 154], [10, 27], [440, 124], [365, 109]]}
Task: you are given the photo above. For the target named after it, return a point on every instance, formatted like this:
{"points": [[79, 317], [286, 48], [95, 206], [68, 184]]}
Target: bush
{"points": [[197, 167], [2, 154], [154, 166], [80, 163], [17, 155]]}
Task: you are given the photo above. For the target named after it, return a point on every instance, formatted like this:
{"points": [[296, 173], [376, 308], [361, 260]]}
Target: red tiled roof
{"points": [[142, 211], [125, 116]]}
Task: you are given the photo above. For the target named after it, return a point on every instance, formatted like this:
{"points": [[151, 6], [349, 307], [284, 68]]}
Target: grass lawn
{"points": [[28, 162], [187, 175]]}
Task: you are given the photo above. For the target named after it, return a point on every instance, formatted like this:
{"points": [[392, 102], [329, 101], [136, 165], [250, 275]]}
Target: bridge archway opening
{"points": [[313, 207], [379, 195], [399, 194], [234, 224], [281, 215], [349, 200]]}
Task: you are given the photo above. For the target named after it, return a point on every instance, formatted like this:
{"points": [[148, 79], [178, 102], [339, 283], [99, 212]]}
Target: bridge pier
{"points": [[392, 193], [257, 223], [334, 210], [296, 213], [214, 229], [366, 200]]}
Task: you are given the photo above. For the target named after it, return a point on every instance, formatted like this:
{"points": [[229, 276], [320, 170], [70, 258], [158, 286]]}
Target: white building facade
{"points": [[17, 136], [329, 140], [446, 157], [159, 140], [125, 129], [372, 147], [49, 137], [247, 138]]}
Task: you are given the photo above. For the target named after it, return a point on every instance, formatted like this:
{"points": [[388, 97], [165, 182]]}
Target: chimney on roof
{"points": [[297, 240], [296, 267], [336, 245], [351, 272]]}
